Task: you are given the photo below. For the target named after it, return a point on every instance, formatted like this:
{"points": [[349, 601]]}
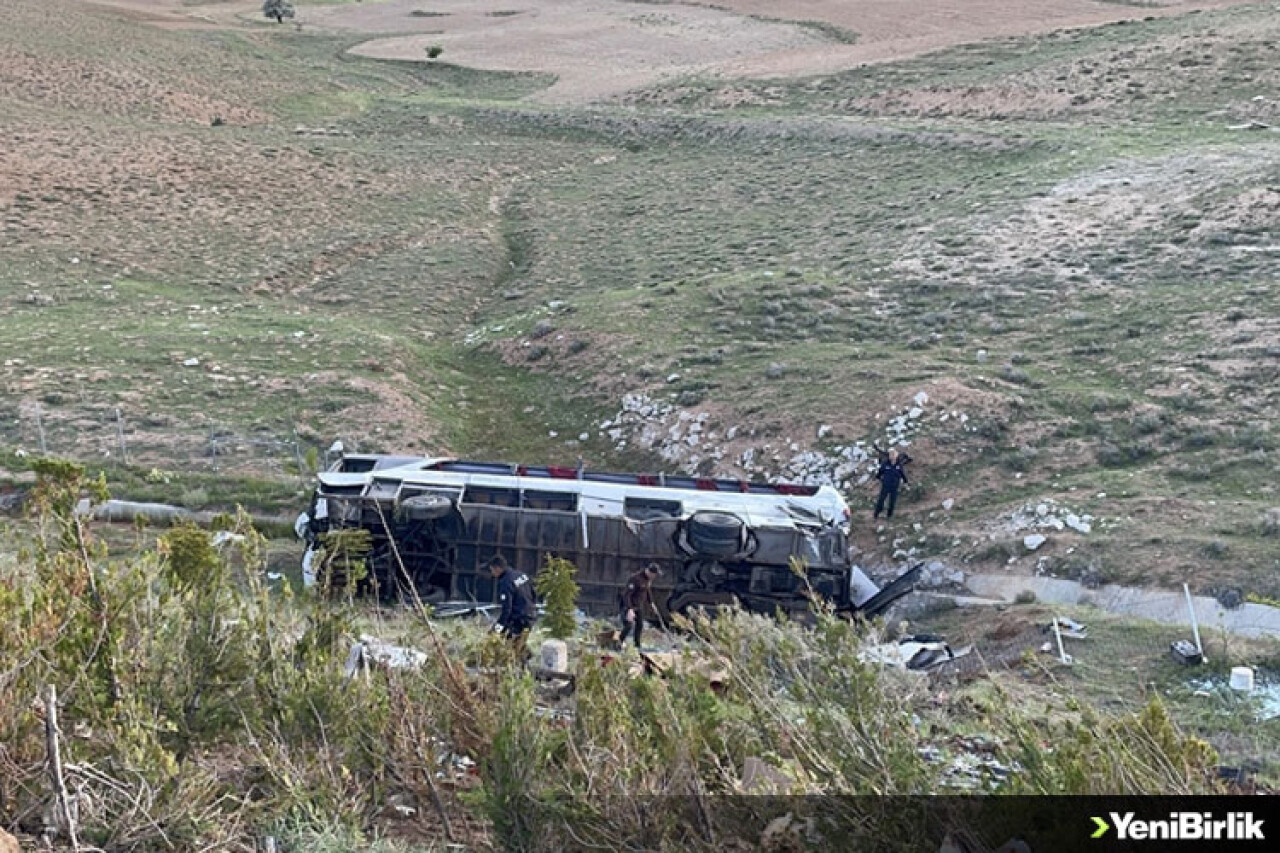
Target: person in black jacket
{"points": [[515, 594], [635, 595], [891, 475]]}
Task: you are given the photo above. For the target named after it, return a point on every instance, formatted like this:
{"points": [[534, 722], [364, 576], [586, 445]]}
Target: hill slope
{"points": [[248, 241]]}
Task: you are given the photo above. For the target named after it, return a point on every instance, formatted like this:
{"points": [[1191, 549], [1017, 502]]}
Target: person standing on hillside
{"points": [[635, 595], [892, 474], [515, 595]]}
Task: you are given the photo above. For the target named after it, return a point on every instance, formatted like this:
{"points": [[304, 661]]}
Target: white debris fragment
{"points": [[1077, 523]]}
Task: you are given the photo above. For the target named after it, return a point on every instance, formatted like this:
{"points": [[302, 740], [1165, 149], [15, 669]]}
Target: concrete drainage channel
{"points": [[1168, 607]]}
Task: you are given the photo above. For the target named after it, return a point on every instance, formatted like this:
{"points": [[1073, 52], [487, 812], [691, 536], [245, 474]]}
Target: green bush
{"points": [[555, 583], [216, 710]]}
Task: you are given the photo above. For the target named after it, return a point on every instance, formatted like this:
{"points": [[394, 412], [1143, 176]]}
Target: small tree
{"points": [[558, 589], [278, 9]]}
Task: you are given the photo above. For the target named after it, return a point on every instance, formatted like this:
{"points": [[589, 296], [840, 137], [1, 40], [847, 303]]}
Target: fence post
{"points": [[40, 429], [124, 451], [1062, 653], [1195, 626]]}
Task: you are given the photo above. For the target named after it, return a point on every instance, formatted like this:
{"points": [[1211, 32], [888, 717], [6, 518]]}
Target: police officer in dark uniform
{"points": [[635, 595], [892, 473], [515, 594]]}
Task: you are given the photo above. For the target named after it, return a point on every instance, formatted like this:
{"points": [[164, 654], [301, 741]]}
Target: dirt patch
{"points": [[595, 47], [602, 48]]}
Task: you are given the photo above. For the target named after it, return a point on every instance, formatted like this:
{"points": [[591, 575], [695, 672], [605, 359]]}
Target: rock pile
{"points": [[690, 440], [1048, 515]]}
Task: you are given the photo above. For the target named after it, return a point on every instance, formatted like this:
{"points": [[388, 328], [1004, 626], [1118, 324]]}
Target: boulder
{"points": [[1033, 541]]}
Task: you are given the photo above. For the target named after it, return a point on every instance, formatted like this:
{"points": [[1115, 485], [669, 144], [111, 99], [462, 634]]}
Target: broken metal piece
{"points": [[1185, 652]]}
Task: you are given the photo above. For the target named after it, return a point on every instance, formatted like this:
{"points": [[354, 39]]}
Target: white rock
{"points": [[948, 504], [1042, 510], [921, 398], [583, 436], [982, 356], [675, 377], [1078, 524], [915, 412], [1033, 541], [191, 362], [824, 430]]}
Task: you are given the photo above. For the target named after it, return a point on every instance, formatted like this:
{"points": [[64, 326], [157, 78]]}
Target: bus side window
{"points": [[563, 501], [645, 509], [491, 496]]}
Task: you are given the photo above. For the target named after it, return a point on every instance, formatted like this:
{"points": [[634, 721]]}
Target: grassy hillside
{"points": [[250, 243]]}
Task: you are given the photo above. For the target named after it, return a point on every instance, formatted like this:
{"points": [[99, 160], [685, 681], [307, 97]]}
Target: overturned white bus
{"points": [[717, 541]]}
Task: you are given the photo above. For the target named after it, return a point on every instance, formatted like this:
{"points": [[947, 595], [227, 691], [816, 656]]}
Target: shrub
{"points": [[1119, 454], [277, 9], [555, 583], [1271, 522], [1145, 753]]}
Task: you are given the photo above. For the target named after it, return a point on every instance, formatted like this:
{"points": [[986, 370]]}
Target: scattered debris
{"points": [[1068, 628], [371, 651], [663, 663], [1185, 652], [1260, 704], [1242, 679], [460, 609], [922, 652], [973, 766]]}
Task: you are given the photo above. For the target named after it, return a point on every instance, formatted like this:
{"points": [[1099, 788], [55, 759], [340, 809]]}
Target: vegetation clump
{"points": [[559, 591], [277, 9], [203, 709]]}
